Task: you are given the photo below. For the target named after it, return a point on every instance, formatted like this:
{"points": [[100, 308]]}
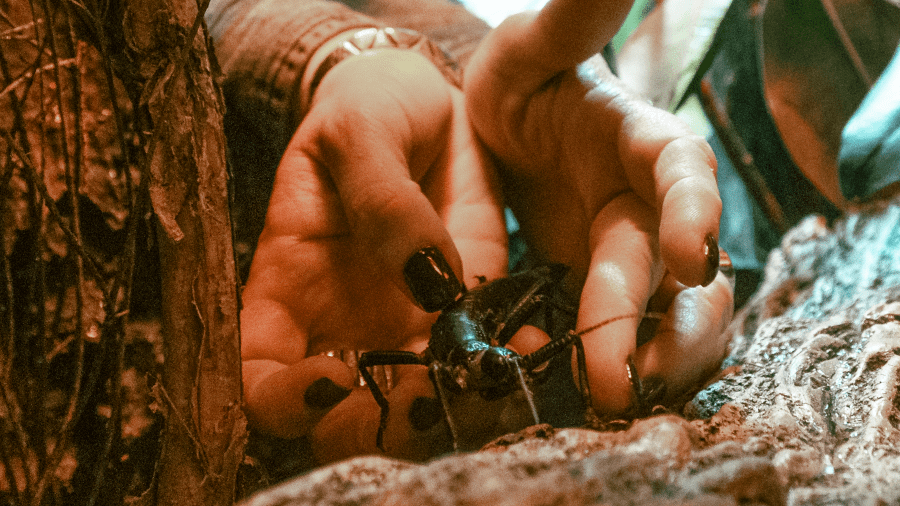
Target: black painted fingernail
{"points": [[711, 250], [324, 393], [425, 413], [431, 280], [654, 391], [646, 392], [636, 387]]}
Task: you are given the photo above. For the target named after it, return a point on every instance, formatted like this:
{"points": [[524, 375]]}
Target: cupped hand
{"points": [[383, 165], [600, 180]]}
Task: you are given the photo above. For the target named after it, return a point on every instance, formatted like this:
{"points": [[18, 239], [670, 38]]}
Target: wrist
{"points": [[316, 61], [364, 40]]}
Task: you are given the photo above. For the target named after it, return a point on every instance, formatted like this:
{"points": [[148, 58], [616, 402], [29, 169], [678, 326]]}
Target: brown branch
{"points": [[740, 157], [15, 30], [205, 429], [24, 78], [73, 185], [190, 429], [113, 330], [137, 201], [10, 476], [92, 264], [7, 393], [5, 18], [15, 417], [9, 325]]}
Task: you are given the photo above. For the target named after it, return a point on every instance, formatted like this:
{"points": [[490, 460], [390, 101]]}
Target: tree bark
{"points": [[200, 391]]}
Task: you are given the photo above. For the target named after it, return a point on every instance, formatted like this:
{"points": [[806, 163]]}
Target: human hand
{"points": [[600, 180], [383, 165]]}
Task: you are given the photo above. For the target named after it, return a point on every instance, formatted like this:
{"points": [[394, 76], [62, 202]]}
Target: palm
{"points": [[561, 174], [335, 295]]}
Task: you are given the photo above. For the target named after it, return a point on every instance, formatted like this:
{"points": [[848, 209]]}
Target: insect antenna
{"points": [[605, 323], [555, 347]]}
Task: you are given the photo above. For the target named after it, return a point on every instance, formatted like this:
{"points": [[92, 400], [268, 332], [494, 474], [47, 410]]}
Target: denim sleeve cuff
{"points": [[263, 48]]}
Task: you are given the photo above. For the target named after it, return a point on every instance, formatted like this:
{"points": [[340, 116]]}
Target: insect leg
{"points": [[434, 371], [539, 283], [546, 352], [373, 358], [523, 309], [553, 323], [584, 386]]}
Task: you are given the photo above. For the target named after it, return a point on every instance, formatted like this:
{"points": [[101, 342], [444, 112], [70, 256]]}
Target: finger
{"points": [[307, 272], [529, 49], [414, 430], [625, 270], [683, 188], [377, 137], [288, 401], [466, 195], [528, 339], [690, 342], [417, 425]]}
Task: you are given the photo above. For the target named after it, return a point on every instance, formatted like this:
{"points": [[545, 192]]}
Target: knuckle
{"points": [[381, 200]]}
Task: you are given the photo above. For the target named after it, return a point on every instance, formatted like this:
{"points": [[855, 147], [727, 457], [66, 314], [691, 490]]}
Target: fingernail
{"points": [[711, 250], [647, 392], [425, 413], [324, 393], [636, 387], [725, 265], [654, 391], [431, 280]]}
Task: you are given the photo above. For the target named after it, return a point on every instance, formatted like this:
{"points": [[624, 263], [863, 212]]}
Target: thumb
{"points": [[376, 137], [530, 48]]}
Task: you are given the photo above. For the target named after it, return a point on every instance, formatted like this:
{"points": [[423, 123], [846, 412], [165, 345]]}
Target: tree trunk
{"points": [[200, 392]]}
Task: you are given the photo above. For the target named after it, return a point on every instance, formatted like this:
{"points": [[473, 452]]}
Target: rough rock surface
{"points": [[805, 411], [659, 461], [816, 356]]}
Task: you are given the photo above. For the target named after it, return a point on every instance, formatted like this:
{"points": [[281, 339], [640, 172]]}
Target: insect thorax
{"points": [[455, 335]]}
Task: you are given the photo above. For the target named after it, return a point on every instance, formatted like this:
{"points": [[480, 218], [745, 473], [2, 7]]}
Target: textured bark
{"points": [[200, 392]]}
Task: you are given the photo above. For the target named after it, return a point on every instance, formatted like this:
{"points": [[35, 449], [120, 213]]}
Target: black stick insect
{"points": [[466, 350]]}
